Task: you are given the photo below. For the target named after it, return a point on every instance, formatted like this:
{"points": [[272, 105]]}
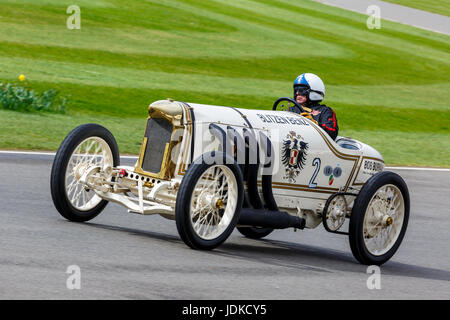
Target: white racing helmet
{"points": [[310, 85]]}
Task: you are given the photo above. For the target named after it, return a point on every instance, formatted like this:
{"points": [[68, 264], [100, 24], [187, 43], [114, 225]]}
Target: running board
{"points": [[270, 219]]}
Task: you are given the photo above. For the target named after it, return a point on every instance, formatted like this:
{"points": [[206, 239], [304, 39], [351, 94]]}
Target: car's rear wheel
{"points": [[86, 146], [379, 218], [208, 204]]}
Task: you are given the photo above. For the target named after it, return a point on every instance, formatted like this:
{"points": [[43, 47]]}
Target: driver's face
{"points": [[300, 99]]}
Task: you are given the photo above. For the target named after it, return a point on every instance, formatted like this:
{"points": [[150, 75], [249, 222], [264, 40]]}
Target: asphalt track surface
{"points": [[128, 256], [394, 12]]}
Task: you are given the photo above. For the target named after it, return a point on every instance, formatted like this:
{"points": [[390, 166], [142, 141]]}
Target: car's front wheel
{"points": [[208, 204], [86, 146]]}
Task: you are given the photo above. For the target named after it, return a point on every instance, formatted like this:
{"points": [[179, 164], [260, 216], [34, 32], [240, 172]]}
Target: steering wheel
{"points": [[296, 107]]}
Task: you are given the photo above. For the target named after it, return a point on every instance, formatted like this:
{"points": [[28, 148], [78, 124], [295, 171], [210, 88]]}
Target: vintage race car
{"points": [[214, 168]]}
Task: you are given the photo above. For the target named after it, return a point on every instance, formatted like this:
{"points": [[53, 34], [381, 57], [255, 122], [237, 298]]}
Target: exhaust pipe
{"points": [[269, 219]]}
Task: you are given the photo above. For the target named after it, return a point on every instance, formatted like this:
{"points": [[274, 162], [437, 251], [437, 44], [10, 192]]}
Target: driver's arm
{"points": [[328, 122]]}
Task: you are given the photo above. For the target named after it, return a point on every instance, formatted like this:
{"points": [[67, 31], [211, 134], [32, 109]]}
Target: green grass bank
{"points": [[389, 87]]}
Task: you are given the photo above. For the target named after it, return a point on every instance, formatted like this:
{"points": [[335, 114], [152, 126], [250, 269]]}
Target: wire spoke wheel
{"points": [[379, 218], [93, 151], [383, 219], [209, 202], [85, 148], [214, 202]]}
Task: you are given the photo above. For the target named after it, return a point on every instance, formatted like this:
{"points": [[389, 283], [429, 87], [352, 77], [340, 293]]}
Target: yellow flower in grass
{"points": [[21, 77]]}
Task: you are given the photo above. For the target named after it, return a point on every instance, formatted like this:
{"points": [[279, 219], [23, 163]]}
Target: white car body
{"points": [[215, 168]]}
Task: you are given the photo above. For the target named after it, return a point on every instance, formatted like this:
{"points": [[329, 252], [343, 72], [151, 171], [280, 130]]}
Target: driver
{"points": [[309, 91]]}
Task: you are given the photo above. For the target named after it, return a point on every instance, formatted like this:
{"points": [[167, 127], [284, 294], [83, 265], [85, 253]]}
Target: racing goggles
{"points": [[301, 91]]}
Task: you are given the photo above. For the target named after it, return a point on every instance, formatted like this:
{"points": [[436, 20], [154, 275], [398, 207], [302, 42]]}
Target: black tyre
{"points": [[254, 233], [85, 146], [379, 218], [209, 203]]}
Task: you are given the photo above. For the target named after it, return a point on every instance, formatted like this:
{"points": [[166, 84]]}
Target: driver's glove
{"points": [[309, 116]]}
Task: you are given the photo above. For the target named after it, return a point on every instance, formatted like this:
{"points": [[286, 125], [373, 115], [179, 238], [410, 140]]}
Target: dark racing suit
{"points": [[326, 118]]}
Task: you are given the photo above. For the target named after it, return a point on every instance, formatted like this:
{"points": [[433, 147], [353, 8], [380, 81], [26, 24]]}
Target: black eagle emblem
{"points": [[294, 155]]}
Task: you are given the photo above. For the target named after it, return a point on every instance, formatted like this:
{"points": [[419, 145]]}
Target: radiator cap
{"points": [[169, 107]]}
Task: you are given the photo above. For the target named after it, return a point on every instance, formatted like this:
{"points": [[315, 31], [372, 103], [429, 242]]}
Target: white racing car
{"points": [[214, 168]]}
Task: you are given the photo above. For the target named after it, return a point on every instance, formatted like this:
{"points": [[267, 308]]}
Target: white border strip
{"points": [[136, 157]]}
